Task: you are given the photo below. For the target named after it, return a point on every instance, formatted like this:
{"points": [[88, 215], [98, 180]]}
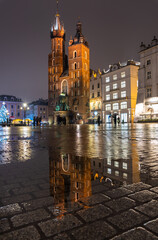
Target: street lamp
{"points": [[25, 107]]}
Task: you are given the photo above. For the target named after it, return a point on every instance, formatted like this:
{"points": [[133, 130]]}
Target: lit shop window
{"points": [[124, 165], [107, 79], [115, 77], [123, 94], [125, 175], [108, 107], [109, 161], [108, 88], [123, 74], [115, 86], [109, 170], [123, 84], [123, 105], [117, 173], [108, 97], [116, 163], [115, 95], [115, 106]]}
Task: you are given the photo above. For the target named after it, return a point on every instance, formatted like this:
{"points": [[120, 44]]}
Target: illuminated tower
{"points": [[56, 63], [79, 73]]}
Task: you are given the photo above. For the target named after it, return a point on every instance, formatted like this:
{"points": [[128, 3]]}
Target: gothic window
{"points": [[75, 65], [65, 162], [64, 87], [85, 66], [85, 55], [74, 54]]}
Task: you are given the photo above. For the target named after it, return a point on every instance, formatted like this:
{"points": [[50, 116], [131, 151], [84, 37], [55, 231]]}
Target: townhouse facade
{"points": [[119, 92], [147, 101]]}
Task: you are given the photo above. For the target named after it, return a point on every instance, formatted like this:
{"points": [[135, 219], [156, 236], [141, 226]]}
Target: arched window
{"points": [[85, 66], [65, 162], [64, 87], [54, 87], [74, 54], [75, 65], [85, 55]]}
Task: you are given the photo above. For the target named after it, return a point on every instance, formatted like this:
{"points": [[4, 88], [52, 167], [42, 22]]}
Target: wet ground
{"points": [[63, 182]]}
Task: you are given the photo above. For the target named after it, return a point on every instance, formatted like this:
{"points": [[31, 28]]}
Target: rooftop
{"points": [[9, 98]]}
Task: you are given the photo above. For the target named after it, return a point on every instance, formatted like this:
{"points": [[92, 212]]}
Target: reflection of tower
{"points": [[70, 178]]}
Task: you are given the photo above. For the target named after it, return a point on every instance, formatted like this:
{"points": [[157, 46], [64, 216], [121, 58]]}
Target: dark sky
{"points": [[113, 28]]}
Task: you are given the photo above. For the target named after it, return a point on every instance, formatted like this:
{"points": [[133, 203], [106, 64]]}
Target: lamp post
{"points": [[25, 107]]}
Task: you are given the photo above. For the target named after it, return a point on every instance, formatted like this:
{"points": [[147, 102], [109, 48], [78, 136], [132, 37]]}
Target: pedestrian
{"points": [[118, 120], [98, 121]]}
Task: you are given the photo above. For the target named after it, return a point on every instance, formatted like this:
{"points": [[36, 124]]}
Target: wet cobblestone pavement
{"points": [[79, 182]]}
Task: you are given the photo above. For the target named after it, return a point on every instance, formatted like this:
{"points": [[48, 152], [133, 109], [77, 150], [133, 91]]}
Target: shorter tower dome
{"points": [[78, 38]]}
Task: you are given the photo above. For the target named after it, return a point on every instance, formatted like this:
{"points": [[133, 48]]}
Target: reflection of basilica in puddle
{"points": [[73, 178]]}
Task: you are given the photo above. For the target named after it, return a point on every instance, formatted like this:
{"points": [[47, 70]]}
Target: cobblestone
{"points": [[30, 217], [38, 203], [72, 207], [155, 189], [136, 187], [61, 224], [99, 230], [60, 237], [94, 199], [143, 196], [121, 204], [136, 234], [28, 233], [9, 210], [18, 199], [117, 193], [152, 226], [150, 208], [94, 213], [23, 190], [127, 220], [4, 225]]}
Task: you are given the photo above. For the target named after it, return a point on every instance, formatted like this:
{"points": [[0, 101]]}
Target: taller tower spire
{"points": [[57, 6]]}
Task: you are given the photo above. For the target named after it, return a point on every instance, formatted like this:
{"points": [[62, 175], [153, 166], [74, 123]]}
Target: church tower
{"points": [[56, 63], [79, 73]]}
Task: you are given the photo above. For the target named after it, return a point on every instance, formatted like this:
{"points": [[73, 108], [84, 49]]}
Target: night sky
{"points": [[113, 28]]}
